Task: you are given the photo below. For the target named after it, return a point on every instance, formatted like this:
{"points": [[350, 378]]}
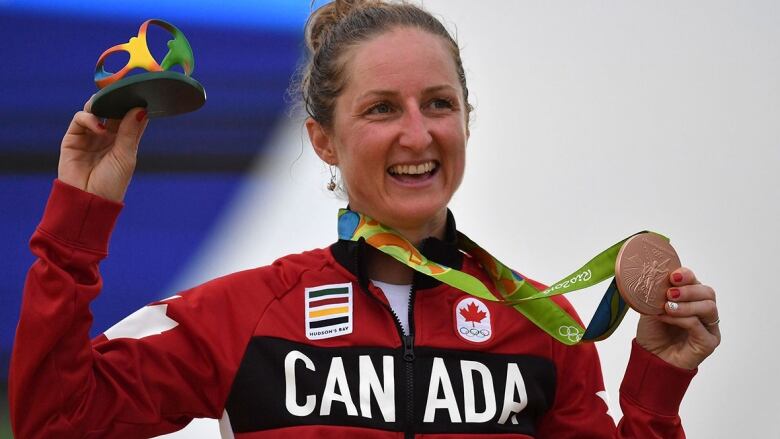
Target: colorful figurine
{"points": [[162, 91]]}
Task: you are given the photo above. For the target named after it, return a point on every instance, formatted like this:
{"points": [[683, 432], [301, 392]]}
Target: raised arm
{"points": [[164, 365]]}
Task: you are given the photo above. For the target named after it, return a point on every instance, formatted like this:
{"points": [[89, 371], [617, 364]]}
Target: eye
{"points": [[442, 104], [380, 108]]}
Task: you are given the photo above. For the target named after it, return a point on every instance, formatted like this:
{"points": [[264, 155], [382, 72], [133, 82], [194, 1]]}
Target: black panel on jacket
{"points": [[259, 399]]}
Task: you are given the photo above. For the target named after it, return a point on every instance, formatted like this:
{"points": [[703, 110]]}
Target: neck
{"points": [[385, 268], [435, 227]]}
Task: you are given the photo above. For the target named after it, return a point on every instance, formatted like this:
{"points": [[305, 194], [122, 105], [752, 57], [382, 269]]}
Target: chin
{"points": [[414, 213]]}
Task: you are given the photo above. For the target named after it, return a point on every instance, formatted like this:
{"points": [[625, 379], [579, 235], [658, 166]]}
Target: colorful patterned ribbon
{"points": [[510, 288]]}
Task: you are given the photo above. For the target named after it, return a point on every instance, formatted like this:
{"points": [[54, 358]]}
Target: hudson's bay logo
{"points": [[472, 320], [328, 311]]}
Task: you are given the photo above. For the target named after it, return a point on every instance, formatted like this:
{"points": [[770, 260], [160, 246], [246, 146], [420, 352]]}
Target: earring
{"points": [[332, 183]]}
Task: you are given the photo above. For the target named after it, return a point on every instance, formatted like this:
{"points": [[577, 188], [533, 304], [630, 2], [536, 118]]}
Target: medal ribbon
{"points": [[510, 288]]}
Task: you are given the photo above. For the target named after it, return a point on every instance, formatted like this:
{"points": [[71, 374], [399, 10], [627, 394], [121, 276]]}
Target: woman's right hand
{"points": [[99, 158]]}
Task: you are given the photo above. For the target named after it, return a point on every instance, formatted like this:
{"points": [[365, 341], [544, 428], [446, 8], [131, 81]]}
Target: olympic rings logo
{"points": [[474, 332], [570, 332]]}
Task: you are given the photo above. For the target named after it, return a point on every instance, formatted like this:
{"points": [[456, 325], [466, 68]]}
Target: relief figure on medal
{"points": [[652, 274], [644, 275]]}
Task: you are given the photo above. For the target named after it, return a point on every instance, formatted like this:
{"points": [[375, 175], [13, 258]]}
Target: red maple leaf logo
{"points": [[472, 313]]}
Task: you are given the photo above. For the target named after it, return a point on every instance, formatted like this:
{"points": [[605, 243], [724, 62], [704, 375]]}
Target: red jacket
{"points": [[304, 348]]}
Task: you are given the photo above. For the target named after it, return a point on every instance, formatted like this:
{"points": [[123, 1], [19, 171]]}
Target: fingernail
{"points": [[140, 116], [672, 306], [674, 293], [101, 125], [677, 277]]}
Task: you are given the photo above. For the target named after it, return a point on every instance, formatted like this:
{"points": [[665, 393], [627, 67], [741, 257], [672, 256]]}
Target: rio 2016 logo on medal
{"points": [[473, 320]]}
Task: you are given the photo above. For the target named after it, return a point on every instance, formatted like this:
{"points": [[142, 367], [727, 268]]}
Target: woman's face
{"points": [[399, 129]]}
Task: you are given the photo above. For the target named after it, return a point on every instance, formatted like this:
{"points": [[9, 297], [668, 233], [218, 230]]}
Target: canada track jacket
{"points": [[304, 348]]}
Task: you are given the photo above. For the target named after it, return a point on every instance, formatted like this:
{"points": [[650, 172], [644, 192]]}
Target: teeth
{"points": [[412, 169]]}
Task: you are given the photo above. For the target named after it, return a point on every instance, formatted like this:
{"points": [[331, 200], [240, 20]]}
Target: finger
{"points": [[130, 130], [690, 293], [112, 125], [88, 104], [144, 124], [704, 337], [682, 276], [83, 122], [705, 310], [105, 124]]}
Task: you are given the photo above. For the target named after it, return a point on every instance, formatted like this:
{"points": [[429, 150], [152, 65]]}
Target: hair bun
{"points": [[328, 16]]}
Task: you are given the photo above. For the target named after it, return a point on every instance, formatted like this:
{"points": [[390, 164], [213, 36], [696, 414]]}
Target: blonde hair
{"points": [[342, 24]]}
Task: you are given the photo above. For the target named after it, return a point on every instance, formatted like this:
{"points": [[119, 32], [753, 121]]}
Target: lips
{"points": [[413, 171]]}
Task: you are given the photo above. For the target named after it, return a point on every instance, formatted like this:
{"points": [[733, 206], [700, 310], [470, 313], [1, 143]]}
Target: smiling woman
{"points": [[398, 134], [397, 328]]}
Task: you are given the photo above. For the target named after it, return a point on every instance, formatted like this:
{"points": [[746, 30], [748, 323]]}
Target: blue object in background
{"points": [[189, 166], [284, 15]]}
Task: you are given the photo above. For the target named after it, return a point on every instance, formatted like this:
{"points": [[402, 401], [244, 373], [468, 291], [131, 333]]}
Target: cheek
{"points": [[361, 168], [457, 160], [366, 150], [460, 169], [454, 142]]}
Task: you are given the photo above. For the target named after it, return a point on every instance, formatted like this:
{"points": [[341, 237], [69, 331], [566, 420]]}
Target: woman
{"points": [[337, 341]]}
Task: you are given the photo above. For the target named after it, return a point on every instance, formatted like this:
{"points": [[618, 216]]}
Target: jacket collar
{"points": [[352, 255]]}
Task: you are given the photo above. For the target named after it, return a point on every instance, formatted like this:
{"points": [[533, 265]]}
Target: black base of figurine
{"points": [[161, 93]]}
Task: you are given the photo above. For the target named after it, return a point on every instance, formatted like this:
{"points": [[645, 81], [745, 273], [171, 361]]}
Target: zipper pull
{"points": [[409, 348]]}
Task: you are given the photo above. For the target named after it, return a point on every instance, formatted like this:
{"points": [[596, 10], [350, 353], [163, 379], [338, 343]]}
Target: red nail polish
{"points": [[140, 116], [677, 277], [101, 125], [674, 293]]}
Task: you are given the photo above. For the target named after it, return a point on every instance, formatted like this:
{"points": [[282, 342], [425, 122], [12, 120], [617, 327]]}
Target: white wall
{"points": [[595, 120]]}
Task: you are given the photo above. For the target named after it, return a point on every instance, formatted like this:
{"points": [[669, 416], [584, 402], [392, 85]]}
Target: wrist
{"points": [[653, 383], [670, 357], [77, 217]]}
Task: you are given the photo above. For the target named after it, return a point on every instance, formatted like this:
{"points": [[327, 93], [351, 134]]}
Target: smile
{"points": [[414, 170]]}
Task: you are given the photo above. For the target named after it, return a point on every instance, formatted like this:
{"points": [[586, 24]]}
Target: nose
{"points": [[415, 133]]}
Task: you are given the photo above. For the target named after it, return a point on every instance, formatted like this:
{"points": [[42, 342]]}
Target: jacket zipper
{"points": [[408, 352], [408, 357], [409, 363]]}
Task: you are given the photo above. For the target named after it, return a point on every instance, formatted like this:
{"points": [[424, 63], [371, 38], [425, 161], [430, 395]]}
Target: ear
{"points": [[321, 142]]}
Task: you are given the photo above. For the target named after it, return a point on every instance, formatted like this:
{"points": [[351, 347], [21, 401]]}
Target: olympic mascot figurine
{"points": [[164, 92]]}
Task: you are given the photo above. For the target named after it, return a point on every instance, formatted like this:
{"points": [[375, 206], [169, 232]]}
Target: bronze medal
{"points": [[642, 272]]}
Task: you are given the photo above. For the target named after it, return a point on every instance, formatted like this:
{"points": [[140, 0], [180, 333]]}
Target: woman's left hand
{"points": [[688, 331]]}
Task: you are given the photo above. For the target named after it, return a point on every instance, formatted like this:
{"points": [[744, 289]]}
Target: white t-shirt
{"points": [[398, 296]]}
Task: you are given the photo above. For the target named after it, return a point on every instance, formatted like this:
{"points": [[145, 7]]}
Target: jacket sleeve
{"points": [[148, 375], [650, 397]]}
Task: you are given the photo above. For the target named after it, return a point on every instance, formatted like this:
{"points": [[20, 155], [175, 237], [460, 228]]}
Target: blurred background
{"points": [[593, 120]]}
